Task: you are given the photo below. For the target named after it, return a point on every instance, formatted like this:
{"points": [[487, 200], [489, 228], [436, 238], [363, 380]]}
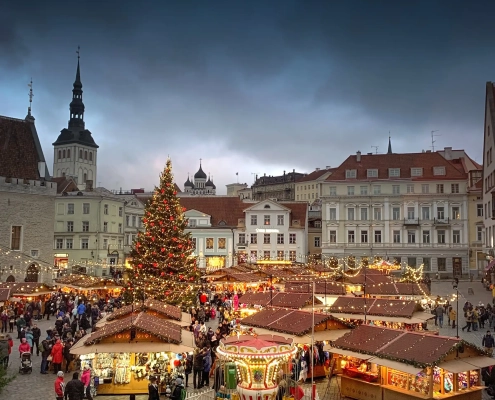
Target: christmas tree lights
{"points": [[163, 267]]}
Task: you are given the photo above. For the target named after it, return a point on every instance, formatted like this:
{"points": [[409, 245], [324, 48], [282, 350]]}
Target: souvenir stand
{"points": [[124, 353], [388, 364], [257, 362], [297, 325], [235, 281], [396, 314]]}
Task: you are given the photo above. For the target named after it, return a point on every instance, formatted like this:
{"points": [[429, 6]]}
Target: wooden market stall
{"points": [[327, 291], [388, 364], [26, 290], [124, 353], [232, 280], [297, 325], [89, 285], [396, 314]]}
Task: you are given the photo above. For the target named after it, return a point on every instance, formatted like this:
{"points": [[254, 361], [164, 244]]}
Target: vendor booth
{"points": [[88, 285], [383, 363], [125, 353], [327, 291], [278, 299]]}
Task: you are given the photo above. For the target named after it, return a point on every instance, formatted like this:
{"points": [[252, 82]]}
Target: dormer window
{"points": [[394, 172], [350, 173], [438, 171], [267, 206], [416, 171], [372, 173]]}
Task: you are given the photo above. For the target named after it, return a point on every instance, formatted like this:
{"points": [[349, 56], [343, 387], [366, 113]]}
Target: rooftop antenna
{"points": [[376, 149], [433, 141], [254, 175], [30, 85]]}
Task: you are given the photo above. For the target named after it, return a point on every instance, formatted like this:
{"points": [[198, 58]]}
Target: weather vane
{"points": [[30, 85], [78, 52]]}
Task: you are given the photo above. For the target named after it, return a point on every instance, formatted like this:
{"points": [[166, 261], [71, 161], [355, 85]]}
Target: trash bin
{"points": [[230, 376]]}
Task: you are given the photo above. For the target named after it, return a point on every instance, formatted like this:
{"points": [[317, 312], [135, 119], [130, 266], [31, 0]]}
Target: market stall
{"points": [[257, 300], [125, 353], [326, 291], [89, 286], [388, 364]]}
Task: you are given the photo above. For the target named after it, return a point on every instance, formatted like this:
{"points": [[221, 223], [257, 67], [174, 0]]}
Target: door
{"points": [[457, 266]]}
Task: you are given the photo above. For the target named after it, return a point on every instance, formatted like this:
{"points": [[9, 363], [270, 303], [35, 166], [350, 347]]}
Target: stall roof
{"points": [[231, 276], [278, 299], [25, 288], [397, 289], [396, 365], [375, 307], [319, 336], [321, 287], [413, 320], [291, 322], [4, 294], [162, 308], [85, 282]]}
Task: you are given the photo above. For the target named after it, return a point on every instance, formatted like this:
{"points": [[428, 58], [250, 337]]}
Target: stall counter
{"points": [[360, 390]]}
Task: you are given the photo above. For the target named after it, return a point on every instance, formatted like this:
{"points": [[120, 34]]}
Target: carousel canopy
{"points": [[249, 346], [278, 299]]}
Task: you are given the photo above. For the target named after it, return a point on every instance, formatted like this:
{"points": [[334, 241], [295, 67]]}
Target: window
{"points": [[85, 244], [364, 236], [266, 220], [350, 237], [479, 233], [209, 243], [456, 213], [90, 156], [292, 255], [410, 212], [222, 243], [438, 171], [377, 214], [396, 236], [425, 188], [372, 173], [332, 215], [333, 236], [442, 264], [350, 173], [85, 208], [133, 218], [377, 189], [280, 238], [70, 208], [411, 236], [395, 189], [416, 171], [280, 255], [411, 261], [363, 190], [266, 238], [454, 188], [80, 154], [127, 219], [317, 241], [242, 238], [479, 210], [396, 213], [121, 211], [394, 172], [350, 190], [425, 213], [280, 220], [378, 236], [350, 214], [440, 188], [440, 212], [105, 209], [120, 228], [410, 188], [85, 226], [426, 264], [60, 154], [68, 243], [85, 155], [191, 223], [105, 226], [292, 238], [317, 224], [333, 191], [456, 237], [254, 238], [70, 226], [364, 214], [254, 220], [426, 237], [441, 236], [59, 243]]}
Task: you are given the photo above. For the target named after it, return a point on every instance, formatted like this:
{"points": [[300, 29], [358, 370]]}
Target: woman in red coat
{"points": [[57, 356]]}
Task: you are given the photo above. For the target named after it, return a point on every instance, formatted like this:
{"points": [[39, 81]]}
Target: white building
{"points": [[489, 171], [411, 208]]}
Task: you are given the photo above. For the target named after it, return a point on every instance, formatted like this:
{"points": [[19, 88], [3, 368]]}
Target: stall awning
{"points": [[320, 336], [348, 353], [410, 369], [480, 362], [456, 366]]}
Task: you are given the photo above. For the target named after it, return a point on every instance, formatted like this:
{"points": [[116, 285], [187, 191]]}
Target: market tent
{"points": [[410, 369]]}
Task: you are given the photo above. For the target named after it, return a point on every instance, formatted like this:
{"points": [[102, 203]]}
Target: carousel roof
{"points": [[278, 299], [162, 308], [380, 307]]}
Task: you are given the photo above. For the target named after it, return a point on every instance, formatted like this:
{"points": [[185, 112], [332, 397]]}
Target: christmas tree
{"points": [[163, 267]]}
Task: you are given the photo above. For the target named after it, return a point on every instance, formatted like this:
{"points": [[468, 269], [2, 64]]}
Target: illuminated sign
{"points": [[261, 230]]}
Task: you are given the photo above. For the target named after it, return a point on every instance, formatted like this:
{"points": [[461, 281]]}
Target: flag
{"points": [[237, 173]]}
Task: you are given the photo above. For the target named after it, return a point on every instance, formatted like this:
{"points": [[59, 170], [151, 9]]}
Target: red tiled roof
{"points": [[397, 289], [19, 145], [164, 309], [381, 307], [405, 162], [412, 347], [299, 210], [220, 208], [278, 299], [65, 184], [324, 287], [315, 174]]}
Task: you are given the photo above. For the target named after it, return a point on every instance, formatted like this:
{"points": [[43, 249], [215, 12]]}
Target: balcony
{"points": [[441, 221], [411, 221]]}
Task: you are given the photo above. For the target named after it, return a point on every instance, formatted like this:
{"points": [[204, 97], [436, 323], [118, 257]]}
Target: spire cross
{"points": [[200, 161], [78, 51]]}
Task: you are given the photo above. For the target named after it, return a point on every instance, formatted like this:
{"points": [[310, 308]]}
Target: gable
{"points": [[196, 214], [266, 206]]}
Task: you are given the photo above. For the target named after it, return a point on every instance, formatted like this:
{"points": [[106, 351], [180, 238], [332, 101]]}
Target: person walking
{"points": [[57, 356], [453, 317], [74, 390], [153, 392], [36, 339], [4, 352], [468, 316], [197, 368], [488, 342], [205, 381], [4, 318], [86, 380], [46, 350], [439, 311], [59, 386]]}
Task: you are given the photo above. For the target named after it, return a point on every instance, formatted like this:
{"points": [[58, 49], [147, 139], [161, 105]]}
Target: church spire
{"points": [[31, 95], [77, 105], [389, 151]]}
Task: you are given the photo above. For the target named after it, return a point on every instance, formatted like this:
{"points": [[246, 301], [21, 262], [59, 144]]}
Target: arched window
{"points": [[63, 153], [85, 177], [85, 155], [59, 154], [90, 156], [63, 174], [68, 154], [80, 154]]}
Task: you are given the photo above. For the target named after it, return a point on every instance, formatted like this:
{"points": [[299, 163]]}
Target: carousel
{"points": [[257, 360]]}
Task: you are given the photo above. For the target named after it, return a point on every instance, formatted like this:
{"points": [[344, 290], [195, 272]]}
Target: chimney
{"points": [[328, 167], [89, 185], [317, 169], [448, 153], [41, 169], [358, 156]]}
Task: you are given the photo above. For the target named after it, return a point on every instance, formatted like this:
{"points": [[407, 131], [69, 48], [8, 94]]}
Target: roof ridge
{"points": [[13, 119]]}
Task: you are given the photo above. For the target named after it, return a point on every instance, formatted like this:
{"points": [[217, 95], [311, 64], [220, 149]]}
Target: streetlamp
{"points": [[456, 287]]}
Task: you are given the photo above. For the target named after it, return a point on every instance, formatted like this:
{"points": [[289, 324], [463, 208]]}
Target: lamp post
{"points": [[312, 343], [456, 287]]}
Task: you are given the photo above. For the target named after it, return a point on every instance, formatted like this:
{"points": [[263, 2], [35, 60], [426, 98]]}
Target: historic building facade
{"points": [[489, 172], [281, 188], [200, 186]]}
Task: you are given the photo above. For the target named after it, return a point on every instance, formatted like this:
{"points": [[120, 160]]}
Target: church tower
{"points": [[75, 149]]}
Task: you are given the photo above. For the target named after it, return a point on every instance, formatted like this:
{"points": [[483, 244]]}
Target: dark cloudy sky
{"points": [[249, 86]]}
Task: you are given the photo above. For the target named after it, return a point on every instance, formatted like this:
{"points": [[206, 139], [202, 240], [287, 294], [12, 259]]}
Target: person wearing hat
{"points": [[86, 380], [153, 392], [59, 386]]}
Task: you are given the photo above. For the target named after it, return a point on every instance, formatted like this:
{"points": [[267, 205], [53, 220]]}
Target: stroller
{"points": [[26, 366]]}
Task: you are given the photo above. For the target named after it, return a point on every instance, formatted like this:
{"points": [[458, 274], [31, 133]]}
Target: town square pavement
{"points": [[38, 386]]}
